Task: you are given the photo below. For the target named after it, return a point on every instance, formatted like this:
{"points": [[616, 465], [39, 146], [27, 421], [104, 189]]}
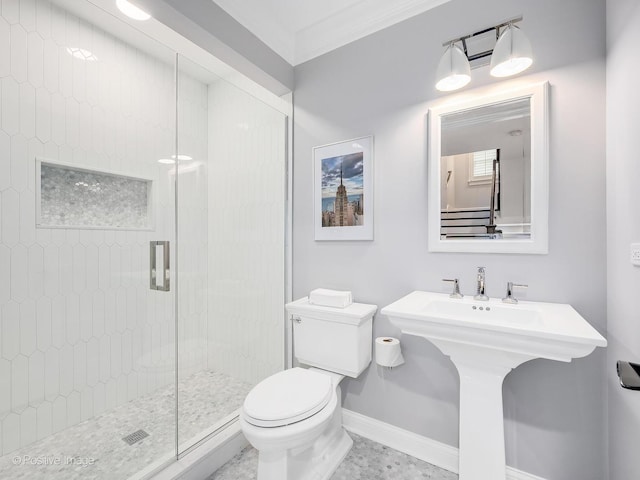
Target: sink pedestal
{"points": [[486, 340], [481, 373]]}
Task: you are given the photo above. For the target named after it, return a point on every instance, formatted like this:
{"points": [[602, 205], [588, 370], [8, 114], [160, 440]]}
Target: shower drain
{"points": [[135, 437]]}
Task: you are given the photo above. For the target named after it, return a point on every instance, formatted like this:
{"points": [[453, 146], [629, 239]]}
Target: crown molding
{"points": [[355, 22], [352, 23]]}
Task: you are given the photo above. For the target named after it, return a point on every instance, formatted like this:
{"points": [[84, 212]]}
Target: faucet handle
{"points": [[456, 287], [510, 298]]}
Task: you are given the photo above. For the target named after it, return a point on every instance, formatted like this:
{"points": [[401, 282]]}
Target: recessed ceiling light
{"points": [[132, 11], [166, 161], [81, 54]]}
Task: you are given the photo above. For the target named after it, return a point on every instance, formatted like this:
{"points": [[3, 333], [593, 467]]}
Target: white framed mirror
{"points": [[489, 172]]}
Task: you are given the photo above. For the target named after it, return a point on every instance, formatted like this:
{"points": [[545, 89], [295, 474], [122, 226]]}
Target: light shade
{"points": [[453, 71], [132, 11], [512, 53]]}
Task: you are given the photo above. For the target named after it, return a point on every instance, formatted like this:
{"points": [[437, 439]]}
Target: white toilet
{"points": [[294, 418]]}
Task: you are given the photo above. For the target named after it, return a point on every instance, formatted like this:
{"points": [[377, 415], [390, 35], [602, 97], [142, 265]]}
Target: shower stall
{"points": [[143, 242]]}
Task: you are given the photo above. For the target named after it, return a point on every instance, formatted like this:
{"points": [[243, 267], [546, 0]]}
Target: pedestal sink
{"points": [[485, 341]]}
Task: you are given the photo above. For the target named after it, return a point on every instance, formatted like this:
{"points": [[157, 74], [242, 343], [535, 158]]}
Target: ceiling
{"points": [[151, 37], [299, 30]]}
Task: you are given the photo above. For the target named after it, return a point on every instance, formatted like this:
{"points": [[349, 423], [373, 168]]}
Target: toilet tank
{"points": [[334, 339]]}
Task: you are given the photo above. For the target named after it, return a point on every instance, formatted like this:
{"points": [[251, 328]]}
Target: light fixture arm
{"points": [[510, 55], [486, 53], [485, 30]]}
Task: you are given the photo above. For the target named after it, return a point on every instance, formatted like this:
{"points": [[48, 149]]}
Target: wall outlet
{"points": [[635, 254]]}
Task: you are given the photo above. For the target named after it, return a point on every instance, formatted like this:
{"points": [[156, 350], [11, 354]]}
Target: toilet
{"points": [[294, 418]]}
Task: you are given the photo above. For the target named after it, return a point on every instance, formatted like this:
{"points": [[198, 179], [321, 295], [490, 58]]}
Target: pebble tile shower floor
{"points": [[205, 398], [367, 460]]}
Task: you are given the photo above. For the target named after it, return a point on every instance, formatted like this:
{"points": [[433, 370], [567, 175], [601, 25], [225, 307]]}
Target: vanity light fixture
{"points": [[131, 11], [454, 70], [511, 54]]}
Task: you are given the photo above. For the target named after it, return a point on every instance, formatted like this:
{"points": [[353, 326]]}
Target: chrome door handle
{"points": [[159, 282]]}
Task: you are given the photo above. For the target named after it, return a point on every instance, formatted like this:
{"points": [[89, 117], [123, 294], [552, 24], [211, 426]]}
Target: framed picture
{"points": [[343, 190]]}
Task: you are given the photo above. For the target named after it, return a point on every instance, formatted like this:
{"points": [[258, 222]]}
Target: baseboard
{"points": [[423, 448]]}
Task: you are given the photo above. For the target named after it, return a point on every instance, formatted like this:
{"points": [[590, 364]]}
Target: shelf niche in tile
{"points": [[75, 197]]}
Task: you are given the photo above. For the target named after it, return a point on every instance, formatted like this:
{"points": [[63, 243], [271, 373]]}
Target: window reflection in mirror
{"points": [[485, 172]]}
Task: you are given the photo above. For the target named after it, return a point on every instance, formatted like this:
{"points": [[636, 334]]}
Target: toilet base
{"points": [[338, 453], [317, 461]]}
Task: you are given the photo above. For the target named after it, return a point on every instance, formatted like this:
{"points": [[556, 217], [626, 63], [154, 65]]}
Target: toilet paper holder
{"points": [[388, 353]]}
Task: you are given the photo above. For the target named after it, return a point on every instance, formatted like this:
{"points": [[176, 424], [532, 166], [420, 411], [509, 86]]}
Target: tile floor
{"points": [[367, 460], [94, 449]]}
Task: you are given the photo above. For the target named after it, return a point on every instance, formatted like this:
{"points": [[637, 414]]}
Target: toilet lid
{"points": [[287, 397]]}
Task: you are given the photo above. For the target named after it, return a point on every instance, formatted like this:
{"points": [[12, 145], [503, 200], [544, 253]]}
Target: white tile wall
{"points": [[81, 332], [80, 329], [192, 223], [246, 235]]}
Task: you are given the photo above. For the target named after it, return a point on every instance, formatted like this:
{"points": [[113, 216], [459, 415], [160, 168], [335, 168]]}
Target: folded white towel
{"points": [[330, 298]]}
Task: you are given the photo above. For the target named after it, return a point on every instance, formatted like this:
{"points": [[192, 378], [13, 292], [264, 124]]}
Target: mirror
{"points": [[488, 173]]}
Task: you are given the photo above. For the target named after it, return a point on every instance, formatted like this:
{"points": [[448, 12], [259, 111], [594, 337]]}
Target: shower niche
{"points": [[69, 196]]}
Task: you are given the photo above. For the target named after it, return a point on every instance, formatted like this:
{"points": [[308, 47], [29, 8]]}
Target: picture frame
{"points": [[343, 190]]}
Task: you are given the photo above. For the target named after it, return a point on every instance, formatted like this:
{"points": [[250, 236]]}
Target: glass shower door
{"points": [[87, 350], [231, 184], [100, 348]]}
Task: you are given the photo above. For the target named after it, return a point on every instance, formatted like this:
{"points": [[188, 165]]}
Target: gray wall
{"points": [[383, 85], [623, 227]]}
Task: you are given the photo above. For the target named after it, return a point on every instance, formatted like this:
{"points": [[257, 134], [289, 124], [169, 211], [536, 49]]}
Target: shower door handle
{"points": [[159, 270]]}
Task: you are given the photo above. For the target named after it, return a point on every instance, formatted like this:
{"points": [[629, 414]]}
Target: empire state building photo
{"points": [[342, 192]]}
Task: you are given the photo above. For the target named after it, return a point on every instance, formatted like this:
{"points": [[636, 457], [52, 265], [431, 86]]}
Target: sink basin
{"points": [[534, 329], [491, 312], [486, 340]]}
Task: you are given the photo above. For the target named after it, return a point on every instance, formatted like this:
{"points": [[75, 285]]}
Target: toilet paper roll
{"points": [[388, 352]]}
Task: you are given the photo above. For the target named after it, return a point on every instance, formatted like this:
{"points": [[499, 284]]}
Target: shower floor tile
{"points": [[94, 449], [367, 460]]}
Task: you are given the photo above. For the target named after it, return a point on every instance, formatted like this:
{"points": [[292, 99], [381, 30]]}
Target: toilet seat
{"points": [[287, 397]]}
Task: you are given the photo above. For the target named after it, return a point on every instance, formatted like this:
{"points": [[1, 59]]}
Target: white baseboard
{"points": [[422, 448]]}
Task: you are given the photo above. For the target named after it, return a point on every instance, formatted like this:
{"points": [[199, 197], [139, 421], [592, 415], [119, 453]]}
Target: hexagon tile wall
{"points": [[81, 331]]}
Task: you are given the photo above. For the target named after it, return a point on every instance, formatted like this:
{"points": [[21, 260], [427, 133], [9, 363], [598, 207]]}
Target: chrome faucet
{"points": [[455, 293], [510, 298], [480, 295]]}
